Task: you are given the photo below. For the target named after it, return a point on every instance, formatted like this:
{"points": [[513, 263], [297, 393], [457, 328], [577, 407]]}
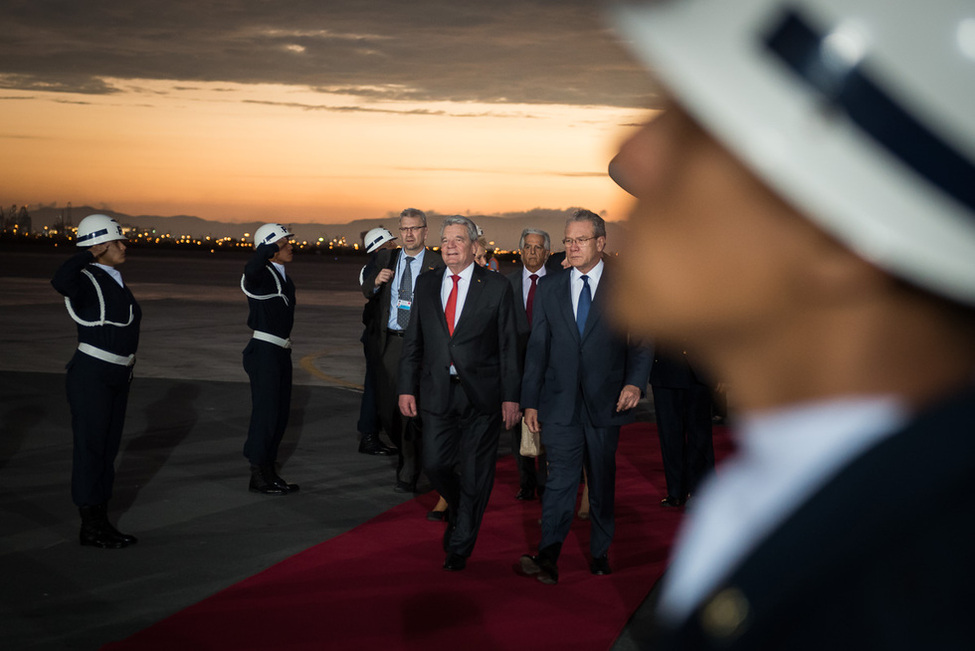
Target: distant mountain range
{"points": [[504, 230]]}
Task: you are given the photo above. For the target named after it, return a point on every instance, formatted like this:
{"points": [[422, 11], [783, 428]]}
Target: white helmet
{"points": [[861, 113], [96, 229], [376, 237], [270, 233]]}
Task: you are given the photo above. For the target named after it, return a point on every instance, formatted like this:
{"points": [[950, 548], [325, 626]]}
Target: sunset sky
{"points": [[319, 110]]}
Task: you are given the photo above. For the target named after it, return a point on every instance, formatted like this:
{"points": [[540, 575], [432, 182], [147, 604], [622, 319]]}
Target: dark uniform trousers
{"points": [[269, 368], [405, 433], [462, 435], [97, 395], [684, 425], [570, 448]]}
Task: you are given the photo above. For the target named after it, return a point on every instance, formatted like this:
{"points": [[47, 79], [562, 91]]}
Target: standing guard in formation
{"points": [[100, 372], [267, 357]]}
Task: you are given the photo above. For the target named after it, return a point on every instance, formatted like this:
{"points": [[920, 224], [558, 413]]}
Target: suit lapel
{"points": [[596, 309], [472, 298], [565, 303]]}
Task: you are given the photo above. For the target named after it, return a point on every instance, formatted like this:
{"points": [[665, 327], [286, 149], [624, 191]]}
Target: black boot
{"points": [[97, 531], [263, 481], [372, 444]]}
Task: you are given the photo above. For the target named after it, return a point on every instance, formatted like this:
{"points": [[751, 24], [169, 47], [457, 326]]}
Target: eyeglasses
{"points": [[581, 241], [411, 229]]}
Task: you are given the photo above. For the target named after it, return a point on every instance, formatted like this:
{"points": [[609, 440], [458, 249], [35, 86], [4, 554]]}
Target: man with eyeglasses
{"points": [[582, 380], [391, 282]]}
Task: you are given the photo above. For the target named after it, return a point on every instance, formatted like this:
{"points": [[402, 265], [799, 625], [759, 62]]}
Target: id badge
{"points": [[403, 304]]}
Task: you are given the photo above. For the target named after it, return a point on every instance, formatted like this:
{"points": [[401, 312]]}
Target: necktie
{"points": [[451, 307], [531, 297], [405, 294], [585, 301]]}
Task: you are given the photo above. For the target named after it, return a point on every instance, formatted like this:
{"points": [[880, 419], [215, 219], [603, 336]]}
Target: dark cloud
{"points": [[525, 51]]}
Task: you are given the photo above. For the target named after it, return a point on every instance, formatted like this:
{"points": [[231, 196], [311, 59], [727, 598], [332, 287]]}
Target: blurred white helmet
{"points": [[376, 237], [96, 229], [270, 233], [860, 113]]}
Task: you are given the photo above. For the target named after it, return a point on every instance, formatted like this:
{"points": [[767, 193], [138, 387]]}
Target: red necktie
{"points": [[451, 306], [531, 298]]}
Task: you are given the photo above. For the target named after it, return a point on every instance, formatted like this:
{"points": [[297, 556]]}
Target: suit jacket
{"points": [[879, 558], [521, 316], [559, 362], [483, 348], [375, 335], [672, 370]]}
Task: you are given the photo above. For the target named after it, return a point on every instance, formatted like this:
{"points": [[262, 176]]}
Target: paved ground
{"points": [[181, 483]]}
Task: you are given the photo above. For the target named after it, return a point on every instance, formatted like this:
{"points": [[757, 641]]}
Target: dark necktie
{"points": [[531, 297], [585, 302], [405, 294], [451, 307]]}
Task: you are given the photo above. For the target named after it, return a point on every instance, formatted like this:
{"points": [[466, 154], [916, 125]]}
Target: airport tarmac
{"points": [[181, 483]]}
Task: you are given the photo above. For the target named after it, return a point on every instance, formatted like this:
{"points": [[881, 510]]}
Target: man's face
{"points": [[533, 253], [582, 249], [712, 255], [114, 255], [456, 247], [412, 234], [285, 251]]}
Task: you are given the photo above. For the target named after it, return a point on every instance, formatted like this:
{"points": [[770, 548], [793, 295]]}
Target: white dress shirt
{"points": [[462, 286], [526, 282], [783, 457], [111, 271]]}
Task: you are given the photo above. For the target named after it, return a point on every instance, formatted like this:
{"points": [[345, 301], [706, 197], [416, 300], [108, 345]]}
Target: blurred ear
{"points": [[837, 275]]}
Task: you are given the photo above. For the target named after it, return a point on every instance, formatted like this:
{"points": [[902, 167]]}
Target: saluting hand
{"points": [[383, 276]]}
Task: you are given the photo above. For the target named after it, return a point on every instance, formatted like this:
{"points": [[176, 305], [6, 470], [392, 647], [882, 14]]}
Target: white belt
{"points": [[105, 356], [272, 339]]}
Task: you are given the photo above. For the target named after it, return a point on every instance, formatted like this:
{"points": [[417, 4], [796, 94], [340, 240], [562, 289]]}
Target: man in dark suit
{"points": [[682, 405], [461, 369], [814, 250], [392, 282], [582, 380], [535, 246]]}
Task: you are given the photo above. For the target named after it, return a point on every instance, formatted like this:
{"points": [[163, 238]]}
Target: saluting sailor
{"points": [[100, 372], [267, 357]]}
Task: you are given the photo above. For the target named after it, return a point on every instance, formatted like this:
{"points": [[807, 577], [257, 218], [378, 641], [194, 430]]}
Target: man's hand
{"points": [[407, 405], [511, 414], [629, 397], [383, 276], [531, 420]]}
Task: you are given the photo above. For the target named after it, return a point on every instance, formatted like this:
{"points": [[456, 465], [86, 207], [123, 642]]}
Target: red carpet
{"points": [[329, 596]]}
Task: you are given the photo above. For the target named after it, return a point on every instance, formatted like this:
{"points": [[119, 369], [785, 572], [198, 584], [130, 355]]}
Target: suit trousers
{"points": [[460, 450], [684, 427], [97, 392], [405, 433], [569, 449], [269, 369]]}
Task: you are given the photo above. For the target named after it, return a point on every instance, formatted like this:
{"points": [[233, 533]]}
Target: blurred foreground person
{"points": [[806, 222], [267, 357], [100, 372]]}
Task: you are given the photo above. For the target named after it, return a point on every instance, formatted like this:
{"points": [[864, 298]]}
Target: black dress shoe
{"points": [[437, 516], [263, 482], [525, 494], [280, 483], [97, 531], [600, 566], [543, 569], [672, 502], [454, 563], [404, 487], [372, 444]]}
